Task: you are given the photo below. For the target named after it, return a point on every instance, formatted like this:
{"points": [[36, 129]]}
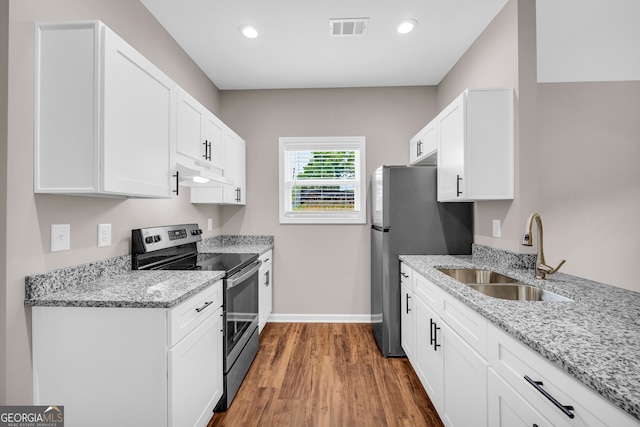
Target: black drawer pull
{"points": [[407, 304], [538, 386], [206, 304], [403, 274]]}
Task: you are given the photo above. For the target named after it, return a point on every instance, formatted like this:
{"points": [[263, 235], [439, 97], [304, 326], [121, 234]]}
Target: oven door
{"points": [[241, 310]]}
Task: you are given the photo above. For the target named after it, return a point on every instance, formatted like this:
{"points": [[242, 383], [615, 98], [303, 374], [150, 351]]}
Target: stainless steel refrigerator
{"points": [[408, 220]]}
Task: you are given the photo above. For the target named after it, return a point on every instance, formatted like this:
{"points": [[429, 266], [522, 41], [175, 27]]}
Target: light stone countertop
{"points": [[112, 283], [135, 289], [595, 338]]}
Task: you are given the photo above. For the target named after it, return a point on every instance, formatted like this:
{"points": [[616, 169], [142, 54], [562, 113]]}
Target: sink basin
{"points": [[469, 275], [498, 285], [517, 292]]}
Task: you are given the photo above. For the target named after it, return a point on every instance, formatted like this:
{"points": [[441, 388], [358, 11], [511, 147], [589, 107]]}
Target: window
{"points": [[322, 180]]}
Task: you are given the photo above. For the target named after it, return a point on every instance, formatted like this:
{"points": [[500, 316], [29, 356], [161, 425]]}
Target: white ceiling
{"points": [[294, 49]]}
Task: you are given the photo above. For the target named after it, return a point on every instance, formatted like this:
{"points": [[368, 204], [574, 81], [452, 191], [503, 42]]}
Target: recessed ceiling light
{"points": [[407, 26], [249, 31]]}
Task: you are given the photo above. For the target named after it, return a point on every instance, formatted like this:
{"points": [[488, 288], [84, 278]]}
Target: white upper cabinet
{"points": [[199, 144], [423, 147], [233, 191], [105, 116], [476, 147]]}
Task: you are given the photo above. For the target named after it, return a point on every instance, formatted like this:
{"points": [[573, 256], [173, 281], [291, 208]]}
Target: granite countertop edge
{"points": [[112, 283], [518, 319], [135, 289]]}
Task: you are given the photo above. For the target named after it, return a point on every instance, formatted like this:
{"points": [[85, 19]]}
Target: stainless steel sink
{"points": [[517, 292], [498, 285], [469, 275]]}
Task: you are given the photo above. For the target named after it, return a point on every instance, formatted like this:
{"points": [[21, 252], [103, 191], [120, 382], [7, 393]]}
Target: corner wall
{"points": [[29, 215]]}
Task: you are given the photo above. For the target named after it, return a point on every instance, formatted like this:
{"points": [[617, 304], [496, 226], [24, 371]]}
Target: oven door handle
{"points": [[240, 276]]}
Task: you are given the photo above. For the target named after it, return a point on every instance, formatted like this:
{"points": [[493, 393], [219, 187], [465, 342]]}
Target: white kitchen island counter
{"points": [[595, 338]]}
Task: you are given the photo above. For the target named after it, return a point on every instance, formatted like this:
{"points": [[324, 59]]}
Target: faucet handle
{"points": [[550, 270]]}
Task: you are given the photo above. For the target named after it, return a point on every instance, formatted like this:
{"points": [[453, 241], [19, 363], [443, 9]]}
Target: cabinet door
{"points": [[451, 151], [190, 117], [465, 381], [506, 408], [423, 146], [213, 129], [265, 295], [138, 124], [406, 321], [195, 374], [428, 357]]}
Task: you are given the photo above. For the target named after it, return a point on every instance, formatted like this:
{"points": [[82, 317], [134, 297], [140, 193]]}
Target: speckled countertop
{"points": [[135, 289], [112, 283], [236, 244], [595, 337]]}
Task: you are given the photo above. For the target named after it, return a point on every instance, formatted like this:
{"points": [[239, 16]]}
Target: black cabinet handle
{"points": [[177, 176], [434, 335], [419, 149], [206, 304], [538, 386], [458, 192], [238, 194], [207, 150], [267, 278], [407, 303]]}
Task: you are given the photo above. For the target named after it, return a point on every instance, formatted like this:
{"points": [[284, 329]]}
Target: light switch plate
{"points": [[496, 228], [209, 224], [104, 235], [60, 237]]}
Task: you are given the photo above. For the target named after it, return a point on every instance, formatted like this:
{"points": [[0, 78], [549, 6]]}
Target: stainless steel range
{"points": [[174, 247]]}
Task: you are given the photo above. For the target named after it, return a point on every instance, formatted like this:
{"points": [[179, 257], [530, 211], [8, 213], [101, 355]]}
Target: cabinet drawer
{"points": [[471, 326], [406, 276], [266, 258], [189, 314], [429, 293], [512, 360]]}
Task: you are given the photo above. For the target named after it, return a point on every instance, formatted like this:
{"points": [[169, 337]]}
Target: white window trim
{"points": [[329, 144]]}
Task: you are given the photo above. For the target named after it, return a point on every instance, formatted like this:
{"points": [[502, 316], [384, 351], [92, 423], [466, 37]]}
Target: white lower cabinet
{"points": [[131, 366], [507, 408], [195, 374], [576, 405], [265, 292], [452, 372], [428, 361], [474, 372]]}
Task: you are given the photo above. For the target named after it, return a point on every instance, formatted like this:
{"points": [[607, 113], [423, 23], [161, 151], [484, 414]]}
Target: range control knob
{"points": [[156, 238], [148, 239], [196, 232]]}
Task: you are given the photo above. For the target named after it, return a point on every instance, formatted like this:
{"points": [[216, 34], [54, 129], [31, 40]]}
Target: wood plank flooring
{"points": [[317, 374]]}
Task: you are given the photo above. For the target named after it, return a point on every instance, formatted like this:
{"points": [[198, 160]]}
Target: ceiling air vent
{"points": [[348, 27]]}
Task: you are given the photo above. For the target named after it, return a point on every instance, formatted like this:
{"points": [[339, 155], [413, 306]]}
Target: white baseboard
{"points": [[319, 318]]}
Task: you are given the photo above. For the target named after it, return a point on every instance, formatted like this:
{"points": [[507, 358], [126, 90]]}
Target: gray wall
{"points": [[588, 174], [30, 215], [319, 269], [4, 57]]}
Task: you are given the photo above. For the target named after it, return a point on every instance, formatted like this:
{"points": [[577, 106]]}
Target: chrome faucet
{"points": [[542, 269]]}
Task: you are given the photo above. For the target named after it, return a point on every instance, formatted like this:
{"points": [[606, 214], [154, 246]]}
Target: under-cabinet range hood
{"points": [[194, 173]]}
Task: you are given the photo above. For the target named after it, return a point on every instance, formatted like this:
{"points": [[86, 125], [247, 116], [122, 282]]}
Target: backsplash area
{"points": [[501, 258]]}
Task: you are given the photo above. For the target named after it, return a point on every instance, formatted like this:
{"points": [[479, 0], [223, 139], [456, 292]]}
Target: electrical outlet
{"points": [[209, 224], [104, 235], [496, 228], [60, 237]]}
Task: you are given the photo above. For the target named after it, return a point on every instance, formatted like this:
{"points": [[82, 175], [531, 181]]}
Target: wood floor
{"points": [[312, 374]]}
